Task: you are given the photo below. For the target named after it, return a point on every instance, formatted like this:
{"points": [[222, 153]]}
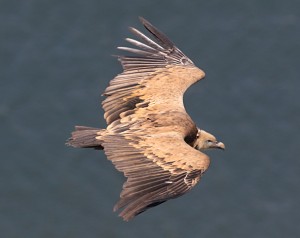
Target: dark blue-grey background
{"points": [[55, 59]]}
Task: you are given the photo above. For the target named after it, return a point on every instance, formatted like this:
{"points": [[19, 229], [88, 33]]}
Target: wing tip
{"points": [[143, 20]]}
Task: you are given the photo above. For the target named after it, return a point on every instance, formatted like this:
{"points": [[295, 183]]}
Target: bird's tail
{"points": [[86, 137]]}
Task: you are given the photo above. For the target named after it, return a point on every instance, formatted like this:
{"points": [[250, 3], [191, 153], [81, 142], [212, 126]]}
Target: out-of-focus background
{"points": [[56, 61]]}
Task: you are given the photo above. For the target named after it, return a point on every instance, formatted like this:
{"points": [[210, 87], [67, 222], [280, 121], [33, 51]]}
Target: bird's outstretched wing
{"points": [[158, 166], [157, 73]]}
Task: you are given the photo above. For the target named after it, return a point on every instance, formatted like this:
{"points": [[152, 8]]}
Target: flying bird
{"points": [[149, 135]]}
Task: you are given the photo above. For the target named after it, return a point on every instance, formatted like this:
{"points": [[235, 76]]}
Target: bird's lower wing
{"points": [[158, 168]]}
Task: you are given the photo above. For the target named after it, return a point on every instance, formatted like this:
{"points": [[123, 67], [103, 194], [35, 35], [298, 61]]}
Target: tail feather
{"points": [[85, 137]]}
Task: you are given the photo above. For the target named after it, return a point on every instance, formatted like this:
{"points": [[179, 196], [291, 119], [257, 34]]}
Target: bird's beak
{"points": [[220, 145]]}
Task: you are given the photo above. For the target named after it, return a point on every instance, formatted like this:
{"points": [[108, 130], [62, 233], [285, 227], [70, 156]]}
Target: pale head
{"points": [[206, 141]]}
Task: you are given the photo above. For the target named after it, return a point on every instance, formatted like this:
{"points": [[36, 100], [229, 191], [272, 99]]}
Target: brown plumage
{"points": [[150, 137]]}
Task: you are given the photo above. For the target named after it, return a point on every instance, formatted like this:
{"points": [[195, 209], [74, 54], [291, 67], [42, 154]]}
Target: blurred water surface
{"points": [[56, 61]]}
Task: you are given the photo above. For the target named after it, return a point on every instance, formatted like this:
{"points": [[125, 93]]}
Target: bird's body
{"points": [[150, 137]]}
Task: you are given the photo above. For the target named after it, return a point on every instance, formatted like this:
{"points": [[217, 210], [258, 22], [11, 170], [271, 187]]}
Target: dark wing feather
{"points": [[157, 170], [161, 51], [152, 58]]}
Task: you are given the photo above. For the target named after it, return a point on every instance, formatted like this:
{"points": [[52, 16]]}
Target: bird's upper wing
{"points": [[156, 73], [159, 165]]}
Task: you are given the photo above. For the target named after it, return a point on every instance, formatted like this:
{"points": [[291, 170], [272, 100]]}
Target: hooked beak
{"points": [[219, 145]]}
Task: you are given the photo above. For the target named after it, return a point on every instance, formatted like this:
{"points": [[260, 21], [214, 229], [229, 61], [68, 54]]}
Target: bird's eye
{"points": [[209, 141]]}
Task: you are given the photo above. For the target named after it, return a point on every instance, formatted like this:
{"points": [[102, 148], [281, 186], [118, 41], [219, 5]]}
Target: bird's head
{"points": [[206, 141]]}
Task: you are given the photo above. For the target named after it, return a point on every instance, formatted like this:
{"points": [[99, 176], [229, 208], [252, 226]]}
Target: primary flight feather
{"points": [[150, 137]]}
